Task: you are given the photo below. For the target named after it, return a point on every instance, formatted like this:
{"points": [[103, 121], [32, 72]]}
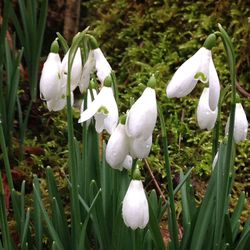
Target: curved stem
{"points": [[173, 227]]}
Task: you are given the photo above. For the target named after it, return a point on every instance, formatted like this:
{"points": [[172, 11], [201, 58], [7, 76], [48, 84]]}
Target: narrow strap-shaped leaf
{"points": [[244, 240], [182, 181], [37, 218], [25, 229], [155, 229], [227, 230], [235, 219], [204, 216], [81, 245], [6, 238], [54, 194], [51, 228]]}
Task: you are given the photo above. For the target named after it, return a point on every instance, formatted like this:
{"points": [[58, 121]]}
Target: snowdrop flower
{"points": [[240, 124], [102, 66], [76, 69], [198, 67], [104, 109], [205, 116], [50, 81], [117, 148], [142, 116], [87, 70], [96, 61], [52, 84], [135, 210]]}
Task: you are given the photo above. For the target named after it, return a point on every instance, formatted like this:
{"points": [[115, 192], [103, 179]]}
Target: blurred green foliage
{"points": [[152, 36]]}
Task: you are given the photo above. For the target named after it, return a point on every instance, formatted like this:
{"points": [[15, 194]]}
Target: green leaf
{"points": [[48, 221], [155, 229], [235, 219]]}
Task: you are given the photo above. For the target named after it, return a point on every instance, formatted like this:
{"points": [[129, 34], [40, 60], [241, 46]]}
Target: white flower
{"points": [[102, 66], [127, 163], [88, 69], [96, 61], [105, 110], [135, 211], [50, 81], [205, 116], [198, 67], [142, 116], [139, 147], [89, 101], [117, 148], [240, 124], [76, 69]]}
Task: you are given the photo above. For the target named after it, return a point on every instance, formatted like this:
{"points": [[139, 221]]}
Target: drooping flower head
{"points": [[240, 124], [206, 117], [135, 212], [96, 61], [141, 118], [198, 67], [104, 109], [51, 82], [117, 148]]}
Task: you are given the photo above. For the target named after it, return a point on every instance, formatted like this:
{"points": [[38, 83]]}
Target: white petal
{"points": [[204, 64], [127, 163], [93, 108], [99, 121], [140, 148], [135, 211], [111, 121], [89, 101], [240, 124], [102, 66], [76, 70], [106, 99], [117, 147], [183, 82], [142, 116], [50, 82], [214, 86], [88, 68], [59, 103], [205, 116]]}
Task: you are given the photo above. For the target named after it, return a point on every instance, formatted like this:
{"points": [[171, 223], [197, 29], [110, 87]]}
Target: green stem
{"points": [[223, 188], [174, 227], [75, 227]]}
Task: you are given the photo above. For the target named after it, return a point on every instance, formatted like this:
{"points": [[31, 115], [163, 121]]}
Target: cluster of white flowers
{"points": [[53, 81], [131, 138], [201, 67]]}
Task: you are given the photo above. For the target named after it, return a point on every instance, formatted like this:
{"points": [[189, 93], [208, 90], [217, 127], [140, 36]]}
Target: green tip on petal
{"points": [[210, 41], [92, 42], [152, 81], [136, 175], [122, 119], [54, 48], [103, 110], [108, 81], [200, 76]]}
